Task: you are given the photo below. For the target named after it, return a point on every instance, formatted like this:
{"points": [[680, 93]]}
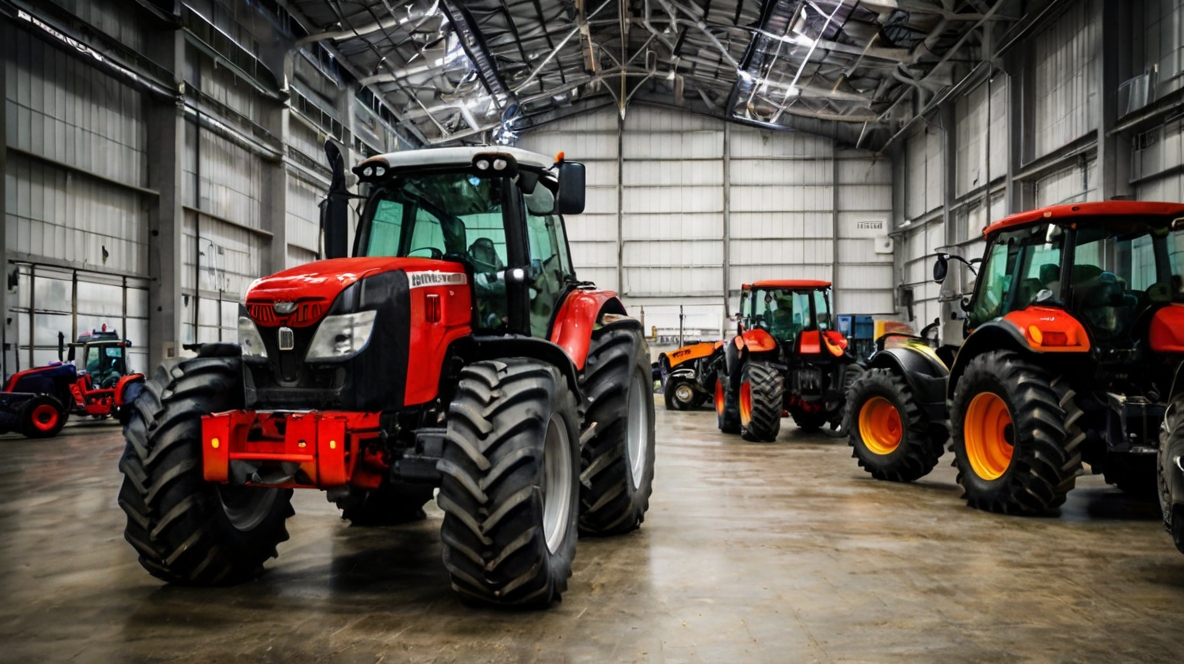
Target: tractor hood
{"points": [[300, 296]]}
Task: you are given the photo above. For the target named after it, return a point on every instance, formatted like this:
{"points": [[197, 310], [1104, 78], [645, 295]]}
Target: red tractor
{"points": [[455, 350], [786, 356], [1074, 343], [104, 385]]}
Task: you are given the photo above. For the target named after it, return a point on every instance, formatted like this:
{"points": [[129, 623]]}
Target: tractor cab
{"points": [[796, 313], [103, 358]]}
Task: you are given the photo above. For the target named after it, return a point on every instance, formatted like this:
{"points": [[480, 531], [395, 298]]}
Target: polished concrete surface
{"points": [[780, 552]]}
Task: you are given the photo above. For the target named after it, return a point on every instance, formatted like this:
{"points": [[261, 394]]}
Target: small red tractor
{"points": [[786, 356], [455, 350], [1074, 342], [37, 402], [104, 385], [688, 374]]}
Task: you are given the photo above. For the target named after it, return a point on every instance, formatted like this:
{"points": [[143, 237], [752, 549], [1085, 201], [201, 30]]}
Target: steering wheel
{"points": [[435, 254]]}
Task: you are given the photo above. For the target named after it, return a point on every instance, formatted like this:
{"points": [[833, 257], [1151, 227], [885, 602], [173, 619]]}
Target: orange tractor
{"points": [[786, 357], [688, 374], [1074, 342], [455, 350]]}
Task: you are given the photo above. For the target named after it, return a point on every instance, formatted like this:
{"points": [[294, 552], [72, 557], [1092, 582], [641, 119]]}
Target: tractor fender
{"points": [[1025, 331], [128, 388], [1167, 330], [925, 374], [476, 348], [743, 346], [578, 316]]}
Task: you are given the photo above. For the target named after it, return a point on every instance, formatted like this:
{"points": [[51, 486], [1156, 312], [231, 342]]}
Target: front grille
{"points": [[306, 313]]}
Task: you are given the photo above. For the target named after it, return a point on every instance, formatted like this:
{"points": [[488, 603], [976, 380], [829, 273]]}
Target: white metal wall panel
{"points": [[1074, 184], [1163, 43], [1065, 80], [59, 109], [228, 182], [863, 280], [924, 164]]}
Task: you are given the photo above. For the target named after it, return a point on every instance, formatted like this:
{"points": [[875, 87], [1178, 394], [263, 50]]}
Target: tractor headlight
{"points": [[341, 337], [249, 339]]}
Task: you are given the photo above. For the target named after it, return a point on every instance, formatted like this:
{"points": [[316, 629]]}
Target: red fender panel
{"points": [[1049, 330], [758, 341], [577, 317], [123, 383], [1167, 330]]}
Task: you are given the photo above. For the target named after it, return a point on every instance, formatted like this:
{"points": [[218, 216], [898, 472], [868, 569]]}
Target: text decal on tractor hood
{"points": [[423, 279]]}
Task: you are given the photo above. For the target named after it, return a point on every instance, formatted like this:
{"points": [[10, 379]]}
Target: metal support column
{"points": [[1020, 115], [1115, 66], [620, 204], [8, 337], [166, 136], [276, 117], [727, 219], [951, 333], [834, 230]]}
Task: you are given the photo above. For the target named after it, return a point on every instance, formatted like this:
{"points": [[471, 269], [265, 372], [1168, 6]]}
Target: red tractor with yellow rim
{"points": [[786, 358], [1074, 342], [455, 350]]}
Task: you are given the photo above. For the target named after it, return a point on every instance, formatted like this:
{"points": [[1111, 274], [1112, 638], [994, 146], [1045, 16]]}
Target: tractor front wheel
{"points": [[727, 406], [1015, 436], [617, 459], [509, 491], [890, 436], [1171, 473], [187, 530], [762, 391], [680, 394], [43, 417]]}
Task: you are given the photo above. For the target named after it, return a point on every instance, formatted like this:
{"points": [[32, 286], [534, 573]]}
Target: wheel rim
{"points": [[745, 403], [638, 439], [246, 507], [557, 483], [989, 435], [45, 417], [880, 426], [719, 397], [683, 393]]}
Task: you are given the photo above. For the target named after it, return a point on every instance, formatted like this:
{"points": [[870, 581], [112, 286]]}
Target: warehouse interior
{"points": [[163, 155]]}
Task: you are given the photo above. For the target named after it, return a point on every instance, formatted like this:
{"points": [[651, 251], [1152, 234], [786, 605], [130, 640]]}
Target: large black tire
{"points": [[186, 530], [727, 404], [889, 434], [680, 394], [389, 505], [837, 422], [1043, 432], [763, 387], [1171, 447], [512, 427], [43, 416], [617, 459]]}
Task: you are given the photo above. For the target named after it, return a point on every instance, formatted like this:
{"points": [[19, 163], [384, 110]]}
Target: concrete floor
{"points": [[778, 552]]}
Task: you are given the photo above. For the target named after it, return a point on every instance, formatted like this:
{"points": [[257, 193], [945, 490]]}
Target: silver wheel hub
{"points": [[684, 393], [638, 426], [558, 483]]}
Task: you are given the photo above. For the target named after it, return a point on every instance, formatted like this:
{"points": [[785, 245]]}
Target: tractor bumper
{"points": [[316, 450]]}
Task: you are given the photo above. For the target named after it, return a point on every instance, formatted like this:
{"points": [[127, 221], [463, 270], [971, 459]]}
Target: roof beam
{"points": [[474, 45]]}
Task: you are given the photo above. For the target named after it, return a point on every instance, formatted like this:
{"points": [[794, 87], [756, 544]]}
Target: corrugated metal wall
{"points": [[781, 206], [1066, 60]]}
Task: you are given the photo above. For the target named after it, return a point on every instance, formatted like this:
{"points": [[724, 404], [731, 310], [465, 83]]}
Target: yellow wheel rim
{"points": [[880, 426], [745, 403], [989, 436], [719, 397]]}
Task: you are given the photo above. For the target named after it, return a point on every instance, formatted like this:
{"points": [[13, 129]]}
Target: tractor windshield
{"points": [[105, 364], [786, 313]]}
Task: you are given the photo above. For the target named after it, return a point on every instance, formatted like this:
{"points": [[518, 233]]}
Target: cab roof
{"points": [[791, 284], [1101, 209], [461, 156]]}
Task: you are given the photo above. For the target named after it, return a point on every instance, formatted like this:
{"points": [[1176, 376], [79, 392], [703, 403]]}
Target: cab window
{"points": [[1020, 265], [549, 263]]}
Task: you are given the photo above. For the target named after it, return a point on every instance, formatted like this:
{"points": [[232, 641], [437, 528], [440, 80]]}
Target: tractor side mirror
{"points": [[571, 188], [334, 209], [70, 354], [941, 268], [61, 345]]}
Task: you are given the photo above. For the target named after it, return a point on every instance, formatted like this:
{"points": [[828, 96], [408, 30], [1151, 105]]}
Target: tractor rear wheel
{"points": [[680, 394], [727, 406], [617, 460], [890, 436], [762, 391], [389, 505], [1171, 449], [186, 530], [43, 417], [509, 491], [1015, 435]]}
